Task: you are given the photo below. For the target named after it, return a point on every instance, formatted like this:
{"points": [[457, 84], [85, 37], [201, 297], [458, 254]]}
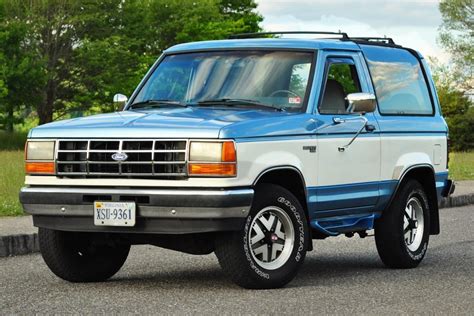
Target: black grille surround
{"points": [[137, 158]]}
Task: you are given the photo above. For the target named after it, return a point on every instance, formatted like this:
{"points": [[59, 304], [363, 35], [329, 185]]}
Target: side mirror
{"points": [[119, 101], [361, 102]]}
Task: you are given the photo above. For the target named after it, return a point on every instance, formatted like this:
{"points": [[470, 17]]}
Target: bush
{"points": [[461, 131], [12, 141]]}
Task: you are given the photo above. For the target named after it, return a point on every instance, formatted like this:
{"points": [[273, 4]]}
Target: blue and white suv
{"points": [[249, 148]]}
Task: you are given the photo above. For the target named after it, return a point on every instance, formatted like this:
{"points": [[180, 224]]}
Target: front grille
{"points": [[145, 158]]}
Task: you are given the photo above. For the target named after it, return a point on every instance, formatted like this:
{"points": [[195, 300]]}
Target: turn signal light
{"points": [[39, 167], [228, 152], [213, 169]]}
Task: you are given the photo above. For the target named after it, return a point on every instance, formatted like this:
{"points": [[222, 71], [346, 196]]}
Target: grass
{"points": [[461, 167], [12, 177]]}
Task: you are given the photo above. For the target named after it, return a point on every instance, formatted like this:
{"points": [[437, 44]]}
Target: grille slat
{"points": [[145, 158]]}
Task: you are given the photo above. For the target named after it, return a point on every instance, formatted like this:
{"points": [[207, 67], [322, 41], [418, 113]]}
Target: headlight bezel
{"points": [[39, 157], [222, 162], [45, 154]]}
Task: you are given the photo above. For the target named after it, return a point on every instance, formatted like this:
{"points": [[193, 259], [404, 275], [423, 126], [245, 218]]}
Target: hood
{"points": [[191, 122]]}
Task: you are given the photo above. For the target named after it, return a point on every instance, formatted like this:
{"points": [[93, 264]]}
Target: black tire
{"points": [[394, 227], [78, 257], [239, 260]]}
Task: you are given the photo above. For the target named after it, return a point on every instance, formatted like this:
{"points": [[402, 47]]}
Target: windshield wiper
{"points": [[238, 102], [156, 103]]}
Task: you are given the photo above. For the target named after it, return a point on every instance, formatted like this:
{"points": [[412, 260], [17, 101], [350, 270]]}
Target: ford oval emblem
{"points": [[119, 156]]}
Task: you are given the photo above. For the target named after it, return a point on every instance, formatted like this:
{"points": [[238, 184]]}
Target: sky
{"points": [[411, 23]]}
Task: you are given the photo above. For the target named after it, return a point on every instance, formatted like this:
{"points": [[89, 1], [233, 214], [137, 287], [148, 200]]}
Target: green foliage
{"points": [[457, 108], [342, 74], [12, 140], [20, 75], [460, 130], [457, 36], [64, 58], [11, 180]]}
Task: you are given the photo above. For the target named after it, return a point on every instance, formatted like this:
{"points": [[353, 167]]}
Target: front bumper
{"points": [[159, 211]]}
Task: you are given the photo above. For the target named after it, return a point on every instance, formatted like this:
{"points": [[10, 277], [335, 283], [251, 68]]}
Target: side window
{"points": [[398, 81], [341, 79]]}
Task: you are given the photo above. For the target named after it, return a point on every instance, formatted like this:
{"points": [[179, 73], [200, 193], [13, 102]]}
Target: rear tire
{"points": [[402, 233], [78, 257], [270, 249]]}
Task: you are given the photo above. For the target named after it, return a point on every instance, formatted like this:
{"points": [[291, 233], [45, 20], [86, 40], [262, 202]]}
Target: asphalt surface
{"points": [[341, 276]]}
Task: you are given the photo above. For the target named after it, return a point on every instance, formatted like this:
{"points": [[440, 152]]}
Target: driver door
{"points": [[348, 177]]}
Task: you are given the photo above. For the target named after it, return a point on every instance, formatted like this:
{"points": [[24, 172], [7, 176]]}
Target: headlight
{"points": [[39, 157], [212, 159], [39, 150], [205, 151]]}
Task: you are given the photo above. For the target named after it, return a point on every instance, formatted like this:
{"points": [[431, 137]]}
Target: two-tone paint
{"points": [[345, 190]]}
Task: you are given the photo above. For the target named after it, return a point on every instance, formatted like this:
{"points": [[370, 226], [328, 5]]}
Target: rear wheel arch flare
{"points": [[425, 174]]}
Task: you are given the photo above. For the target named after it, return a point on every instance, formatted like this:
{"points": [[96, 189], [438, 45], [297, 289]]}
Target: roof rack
{"points": [[384, 40], [255, 35]]}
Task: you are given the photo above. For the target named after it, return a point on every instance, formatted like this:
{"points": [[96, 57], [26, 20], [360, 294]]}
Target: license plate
{"points": [[114, 213]]}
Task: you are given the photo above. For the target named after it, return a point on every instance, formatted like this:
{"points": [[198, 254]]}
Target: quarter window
{"points": [[399, 81]]}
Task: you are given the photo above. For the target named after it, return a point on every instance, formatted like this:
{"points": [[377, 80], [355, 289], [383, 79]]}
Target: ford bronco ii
{"points": [[249, 148]]}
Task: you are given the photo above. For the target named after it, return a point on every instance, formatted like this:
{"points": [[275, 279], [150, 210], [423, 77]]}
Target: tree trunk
{"points": [[45, 110], [10, 119]]}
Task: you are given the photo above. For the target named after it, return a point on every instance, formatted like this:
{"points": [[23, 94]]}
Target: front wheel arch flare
{"points": [[291, 179]]}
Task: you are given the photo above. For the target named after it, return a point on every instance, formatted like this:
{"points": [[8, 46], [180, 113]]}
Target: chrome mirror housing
{"points": [[120, 98], [119, 101], [361, 102]]}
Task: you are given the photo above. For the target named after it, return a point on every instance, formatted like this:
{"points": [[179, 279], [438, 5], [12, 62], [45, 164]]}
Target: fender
{"points": [[305, 205], [281, 168], [410, 168], [432, 197]]}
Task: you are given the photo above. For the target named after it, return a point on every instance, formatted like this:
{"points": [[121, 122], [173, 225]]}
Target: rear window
{"points": [[399, 82]]}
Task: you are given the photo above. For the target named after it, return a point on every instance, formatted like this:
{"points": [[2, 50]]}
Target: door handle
{"points": [[370, 128]]}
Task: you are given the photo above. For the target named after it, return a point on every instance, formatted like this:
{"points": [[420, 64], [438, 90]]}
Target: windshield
{"points": [[270, 78]]}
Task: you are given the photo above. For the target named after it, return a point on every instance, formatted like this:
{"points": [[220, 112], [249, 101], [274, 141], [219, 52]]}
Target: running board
{"points": [[338, 225]]}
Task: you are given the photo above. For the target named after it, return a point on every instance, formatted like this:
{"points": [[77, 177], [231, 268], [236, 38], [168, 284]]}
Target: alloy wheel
{"points": [[271, 238], [413, 224]]}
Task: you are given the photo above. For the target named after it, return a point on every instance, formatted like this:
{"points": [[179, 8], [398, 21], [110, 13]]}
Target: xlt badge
{"points": [[312, 149]]}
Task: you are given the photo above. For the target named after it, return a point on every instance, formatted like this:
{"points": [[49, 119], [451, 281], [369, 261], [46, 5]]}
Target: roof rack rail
{"points": [[385, 40], [259, 34]]}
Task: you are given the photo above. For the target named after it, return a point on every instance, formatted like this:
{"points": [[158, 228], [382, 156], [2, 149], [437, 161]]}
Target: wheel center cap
{"points": [[271, 238]]}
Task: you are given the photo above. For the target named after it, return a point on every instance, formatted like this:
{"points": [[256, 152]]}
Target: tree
{"points": [[49, 40], [119, 47], [457, 108], [457, 36], [20, 75], [82, 52], [243, 11]]}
